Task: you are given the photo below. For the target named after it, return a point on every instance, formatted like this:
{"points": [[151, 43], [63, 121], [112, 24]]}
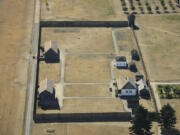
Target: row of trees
{"points": [[141, 123]]}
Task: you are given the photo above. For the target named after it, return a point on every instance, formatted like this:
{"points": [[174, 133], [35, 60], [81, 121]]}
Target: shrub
{"points": [[157, 8], [132, 67], [132, 7], [141, 9], [162, 2], [139, 3], [149, 8], [123, 3], [160, 90], [169, 96], [165, 8], [125, 8], [116, 93], [135, 55]]}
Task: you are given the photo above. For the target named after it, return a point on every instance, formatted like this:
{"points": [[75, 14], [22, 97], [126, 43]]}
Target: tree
{"points": [[132, 67], [141, 123], [135, 55], [167, 118]]}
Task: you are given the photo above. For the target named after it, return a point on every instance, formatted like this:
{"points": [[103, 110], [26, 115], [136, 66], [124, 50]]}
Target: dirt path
{"points": [[153, 85], [15, 41], [162, 30]]}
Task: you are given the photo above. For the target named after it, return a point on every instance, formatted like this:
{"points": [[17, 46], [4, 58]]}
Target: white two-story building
{"points": [[120, 62], [126, 87]]}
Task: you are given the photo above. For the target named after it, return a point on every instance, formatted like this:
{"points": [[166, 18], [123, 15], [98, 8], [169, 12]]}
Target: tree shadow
{"points": [[158, 12], [178, 5], [170, 132], [135, 27]]}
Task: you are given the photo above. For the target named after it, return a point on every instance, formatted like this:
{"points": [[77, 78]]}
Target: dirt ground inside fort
{"points": [[88, 68], [51, 71], [80, 40], [86, 105], [15, 16], [159, 41], [87, 90]]}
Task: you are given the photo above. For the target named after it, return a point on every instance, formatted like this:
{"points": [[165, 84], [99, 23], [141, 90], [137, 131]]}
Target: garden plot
{"points": [[169, 91], [51, 71], [86, 90], [159, 43], [149, 6], [87, 68], [80, 40], [81, 10]]}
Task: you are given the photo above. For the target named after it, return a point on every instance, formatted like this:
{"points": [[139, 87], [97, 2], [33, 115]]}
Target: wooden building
{"points": [[51, 51], [126, 87], [46, 95], [121, 62]]}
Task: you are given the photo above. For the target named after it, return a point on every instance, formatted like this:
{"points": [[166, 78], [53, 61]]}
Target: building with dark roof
{"points": [[51, 51], [46, 95]]}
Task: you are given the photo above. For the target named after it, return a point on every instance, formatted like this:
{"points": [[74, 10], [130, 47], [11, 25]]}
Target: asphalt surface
{"points": [[30, 98]]}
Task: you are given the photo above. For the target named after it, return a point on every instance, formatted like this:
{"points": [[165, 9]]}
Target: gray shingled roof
{"points": [[141, 84], [126, 83], [121, 58], [46, 85], [50, 45]]}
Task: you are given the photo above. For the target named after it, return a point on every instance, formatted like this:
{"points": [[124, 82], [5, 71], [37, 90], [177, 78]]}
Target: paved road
{"points": [[30, 99]]}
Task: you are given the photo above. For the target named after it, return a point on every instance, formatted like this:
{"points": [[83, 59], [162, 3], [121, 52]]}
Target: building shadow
{"points": [[48, 101], [83, 117]]}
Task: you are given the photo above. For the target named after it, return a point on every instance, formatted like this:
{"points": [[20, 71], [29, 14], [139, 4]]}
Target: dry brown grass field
{"points": [[86, 90], [85, 105], [81, 10], [147, 104], [107, 128], [159, 41], [15, 16], [52, 71], [80, 40], [87, 68]]}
